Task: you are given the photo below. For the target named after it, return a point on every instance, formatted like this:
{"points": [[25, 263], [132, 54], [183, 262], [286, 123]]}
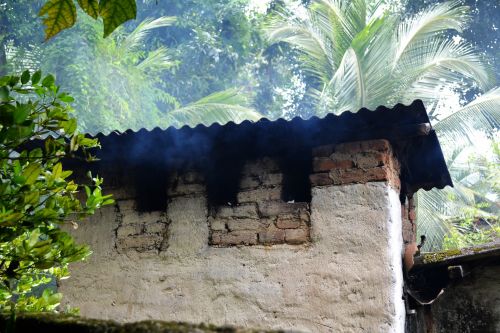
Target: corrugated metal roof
{"points": [[433, 272], [405, 126]]}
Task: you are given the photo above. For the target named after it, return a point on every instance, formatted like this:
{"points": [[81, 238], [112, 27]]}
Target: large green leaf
{"points": [[116, 12], [61, 14], [91, 7]]}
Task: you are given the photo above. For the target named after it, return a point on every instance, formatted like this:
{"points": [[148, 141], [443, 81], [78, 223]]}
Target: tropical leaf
{"points": [[91, 7], [116, 12], [340, 21], [299, 33], [482, 114], [220, 107], [60, 15], [346, 90], [430, 66], [135, 39], [157, 59], [437, 208], [431, 22]]}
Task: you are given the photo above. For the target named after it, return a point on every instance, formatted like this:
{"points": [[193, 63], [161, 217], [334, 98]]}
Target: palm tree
{"points": [[357, 54]]}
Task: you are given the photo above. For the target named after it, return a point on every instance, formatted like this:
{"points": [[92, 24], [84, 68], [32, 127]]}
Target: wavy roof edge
{"points": [[422, 156], [415, 104]]}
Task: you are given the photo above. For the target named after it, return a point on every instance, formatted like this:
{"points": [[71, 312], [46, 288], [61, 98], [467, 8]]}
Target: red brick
{"points": [[288, 221], [320, 179], [234, 238], [156, 227], [362, 176], [275, 208], [375, 145], [323, 151], [272, 236], [247, 224], [140, 243], [240, 211], [412, 215], [259, 194], [129, 229], [348, 147], [322, 164], [371, 159], [360, 146], [217, 224]]}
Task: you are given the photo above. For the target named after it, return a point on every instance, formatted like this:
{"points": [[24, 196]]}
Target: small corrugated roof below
{"points": [[434, 271]]}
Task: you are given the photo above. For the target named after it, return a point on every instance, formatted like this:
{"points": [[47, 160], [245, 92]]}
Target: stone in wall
{"points": [[185, 184], [260, 217], [355, 162], [138, 231]]}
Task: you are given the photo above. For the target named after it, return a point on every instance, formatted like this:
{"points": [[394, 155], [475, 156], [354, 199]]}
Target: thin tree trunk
{"points": [[4, 25]]}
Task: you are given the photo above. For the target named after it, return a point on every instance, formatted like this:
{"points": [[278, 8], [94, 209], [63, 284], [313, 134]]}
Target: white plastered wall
{"points": [[349, 279]]}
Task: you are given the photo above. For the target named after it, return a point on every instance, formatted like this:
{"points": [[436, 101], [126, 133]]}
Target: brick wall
{"points": [[408, 216], [139, 231], [355, 162], [260, 216]]}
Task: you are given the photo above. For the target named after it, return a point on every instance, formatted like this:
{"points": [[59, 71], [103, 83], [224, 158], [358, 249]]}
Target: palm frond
{"points": [[346, 90], [437, 208], [432, 212], [340, 21], [428, 66], [375, 51], [375, 9], [482, 114], [134, 40], [450, 15], [156, 59], [220, 107], [303, 35]]}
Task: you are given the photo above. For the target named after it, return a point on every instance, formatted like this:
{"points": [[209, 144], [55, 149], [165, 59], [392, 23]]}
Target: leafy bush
{"points": [[36, 193], [472, 231]]}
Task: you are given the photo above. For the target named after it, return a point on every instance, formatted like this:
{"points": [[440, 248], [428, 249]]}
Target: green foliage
{"points": [[472, 231], [481, 223], [358, 54], [61, 14], [459, 215], [123, 88], [116, 81], [116, 12], [361, 55], [36, 194]]}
